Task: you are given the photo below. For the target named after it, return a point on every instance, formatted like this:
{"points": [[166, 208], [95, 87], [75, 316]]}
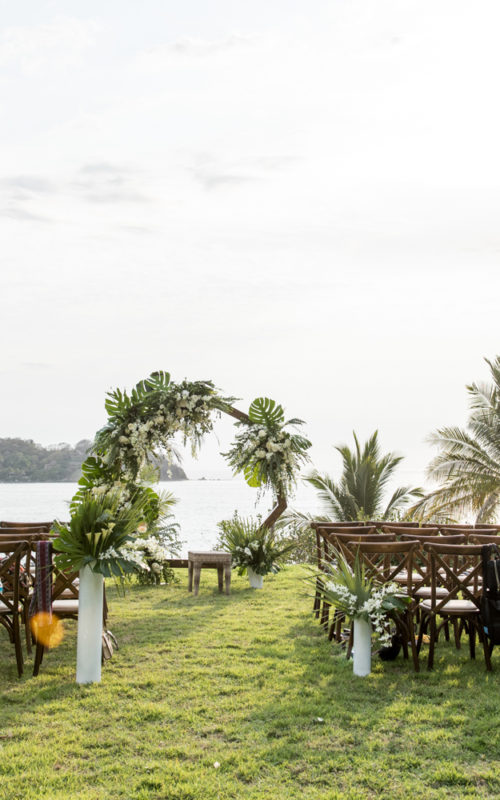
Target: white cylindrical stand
{"points": [[256, 581], [89, 644], [362, 647]]}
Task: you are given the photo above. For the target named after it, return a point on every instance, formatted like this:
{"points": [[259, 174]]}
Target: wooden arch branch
{"points": [[281, 505]]}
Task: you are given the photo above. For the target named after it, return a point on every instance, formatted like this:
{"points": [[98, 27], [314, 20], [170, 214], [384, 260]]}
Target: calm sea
{"points": [[201, 505]]}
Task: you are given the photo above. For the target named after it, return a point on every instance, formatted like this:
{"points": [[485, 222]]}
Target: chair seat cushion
{"points": [[425, 591], [65, 606], [453, 607], [4, 608]]}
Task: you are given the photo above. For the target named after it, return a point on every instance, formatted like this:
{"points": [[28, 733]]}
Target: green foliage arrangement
{"points": [[354, 593], [97, 535], [268, 455], [143, 423], [252, 545]]}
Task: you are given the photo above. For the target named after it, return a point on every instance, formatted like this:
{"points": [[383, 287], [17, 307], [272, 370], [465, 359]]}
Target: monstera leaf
{"points": [[157, 382], [117, 403], [265, 411], [252, 475]]}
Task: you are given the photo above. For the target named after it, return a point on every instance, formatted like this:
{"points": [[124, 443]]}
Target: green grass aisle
{"points": [[241, 681]]}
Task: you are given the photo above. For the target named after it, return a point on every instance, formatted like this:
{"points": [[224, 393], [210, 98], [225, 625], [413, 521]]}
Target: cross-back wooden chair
{"points": [[456, 568], [27, 571], [12, 555], [392, 562]]}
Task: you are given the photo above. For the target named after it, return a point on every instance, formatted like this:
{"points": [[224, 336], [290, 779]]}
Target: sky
{"points": [[293, 199]]}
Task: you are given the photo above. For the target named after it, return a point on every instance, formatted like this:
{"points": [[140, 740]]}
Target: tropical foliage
{"points": [[143, 423], [98, 533], [468, 465], [268, 455], [252, 545], [357, 595], [360, 494]]}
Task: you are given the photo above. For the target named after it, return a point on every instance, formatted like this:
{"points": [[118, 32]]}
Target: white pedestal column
{"points": [[256, 581], [89, 644], [362, 647]]}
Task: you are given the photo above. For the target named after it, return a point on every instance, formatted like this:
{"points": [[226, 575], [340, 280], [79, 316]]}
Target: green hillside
{"points": [[25, 461]]}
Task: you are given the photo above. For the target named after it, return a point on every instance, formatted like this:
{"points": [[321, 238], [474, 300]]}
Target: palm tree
{"points": [[469, 462], [360, 492]]}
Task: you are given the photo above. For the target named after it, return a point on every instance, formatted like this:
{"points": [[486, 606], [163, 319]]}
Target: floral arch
{"points": [[142, 423]]}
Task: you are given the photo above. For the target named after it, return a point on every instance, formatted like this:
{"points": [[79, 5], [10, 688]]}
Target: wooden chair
{"points": [[456, 569], [27, 572], [11, 609]]}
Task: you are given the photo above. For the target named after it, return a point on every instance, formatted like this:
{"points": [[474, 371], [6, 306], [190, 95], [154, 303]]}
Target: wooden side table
{"points": [[213, 559]]}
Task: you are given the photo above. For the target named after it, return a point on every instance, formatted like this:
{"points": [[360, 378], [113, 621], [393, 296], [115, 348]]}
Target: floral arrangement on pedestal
{"points": [[351, 591]]}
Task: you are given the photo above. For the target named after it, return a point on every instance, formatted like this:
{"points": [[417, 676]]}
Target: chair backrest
{"points": [[407, 529], [351, 524], [356, 529], [457, 568], [7, 534], [484, 538], [346, 543], [11, 556], [456, 538], [387, 562], [468, 532], [46, 526]]}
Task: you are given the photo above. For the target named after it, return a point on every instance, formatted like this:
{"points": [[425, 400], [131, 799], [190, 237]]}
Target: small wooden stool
{"points": [[213, 559]]}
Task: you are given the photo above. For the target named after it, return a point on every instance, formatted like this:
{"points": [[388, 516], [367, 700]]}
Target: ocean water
{"points": [[201, 505]]}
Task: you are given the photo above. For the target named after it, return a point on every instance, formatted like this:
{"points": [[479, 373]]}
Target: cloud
{"points": [[214, 173], [105, 182], [103, 168], [22, 214], [61, 41], [156, 57], [115, 197], [30, 183]]}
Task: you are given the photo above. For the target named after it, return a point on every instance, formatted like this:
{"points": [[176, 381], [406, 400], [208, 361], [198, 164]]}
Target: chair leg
{"points": [[483, 639], [27, 629], [349, 643], [38, 658], [472, 639], [432, 641], [325, 614], [17, 645], [317, 598]]}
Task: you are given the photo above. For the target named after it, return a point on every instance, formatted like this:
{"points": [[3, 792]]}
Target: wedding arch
{"points": [[143, 423]]}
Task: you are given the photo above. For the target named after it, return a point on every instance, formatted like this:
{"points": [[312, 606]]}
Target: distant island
{"points": [[25, 461]]}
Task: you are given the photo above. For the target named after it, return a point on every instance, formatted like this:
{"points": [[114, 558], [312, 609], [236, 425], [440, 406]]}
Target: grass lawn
{"points": [[241, 681]]}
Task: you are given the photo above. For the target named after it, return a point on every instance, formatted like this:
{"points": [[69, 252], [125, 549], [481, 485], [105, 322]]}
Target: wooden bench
{"points": [[213, 559]]}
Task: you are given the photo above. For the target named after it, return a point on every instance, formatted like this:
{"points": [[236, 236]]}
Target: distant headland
{"points": [[25, 461]]}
